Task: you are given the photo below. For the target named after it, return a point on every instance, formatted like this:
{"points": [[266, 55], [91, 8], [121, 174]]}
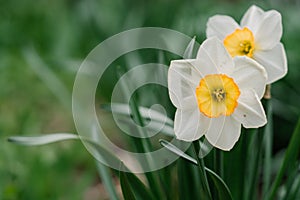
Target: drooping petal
{"points": [[190, 125], [250, 74], [252, 18], [213, 51], [220, 26], [274, 61], [223, 132], [182, 82], [269, 30], [250, 111]]}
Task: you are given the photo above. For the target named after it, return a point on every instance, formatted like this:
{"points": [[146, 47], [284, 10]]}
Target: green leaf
{"points": [[125, 186], [44, 72], [106, 178], [139, 188], [202, 172], [177, 151], [189, 185], [219, 184], [124, 109], [293, 185], [188, 53], [222, 188], [253, 163], [133, 187], [155, 126], [145, 144], [218, 162], [290, 158], [238, 153], [103, 153], [43, 139]]}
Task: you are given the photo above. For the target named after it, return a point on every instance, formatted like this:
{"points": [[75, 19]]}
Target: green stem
{"points": [[219, 163], [137, 116], [262, 137], [268, 138], [147, 146], [258, 141], [217, 167], [202, 173]]}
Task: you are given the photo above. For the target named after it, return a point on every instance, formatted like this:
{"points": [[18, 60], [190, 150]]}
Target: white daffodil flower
{"points": [[258, 37], [214, 94]]}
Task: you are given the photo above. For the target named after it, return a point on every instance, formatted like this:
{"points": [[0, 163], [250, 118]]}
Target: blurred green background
{"points": [[42, 44]]}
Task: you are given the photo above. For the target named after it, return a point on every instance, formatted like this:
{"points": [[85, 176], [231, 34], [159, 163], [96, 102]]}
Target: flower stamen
{"points": [[219, 94]]}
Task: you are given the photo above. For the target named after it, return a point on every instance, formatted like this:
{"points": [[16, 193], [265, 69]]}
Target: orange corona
{"points": [[217, 95], [240, 43]]}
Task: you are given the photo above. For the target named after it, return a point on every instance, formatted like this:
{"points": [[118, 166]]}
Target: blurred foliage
{"points": [[57, 35]]}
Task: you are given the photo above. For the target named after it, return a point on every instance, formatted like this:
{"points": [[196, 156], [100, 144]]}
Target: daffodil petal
{"points": [[269, 30], [249, 74], [189, 125], [252, 18], [182, 82], [250, 111], [202, 67], [223, 132], [220, 26], [213, 51], [274, 61]]}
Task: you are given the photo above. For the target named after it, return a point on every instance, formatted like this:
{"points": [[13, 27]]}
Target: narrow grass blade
{"points": [[133, 187], [43, 139], [221, 187], [292, 185], [202, 173], [290, 158], [141, 191], [134, 111], [124, 109], [106, 178], [159, 121], [51, 138], [44, 72], [156, 127], [218, 162], [146, 144], [177, 151], [234, 161], [188, 53], [189, 186], [101, 152], [253, 164], [167, 182], [125, 186], [260, 141]]}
